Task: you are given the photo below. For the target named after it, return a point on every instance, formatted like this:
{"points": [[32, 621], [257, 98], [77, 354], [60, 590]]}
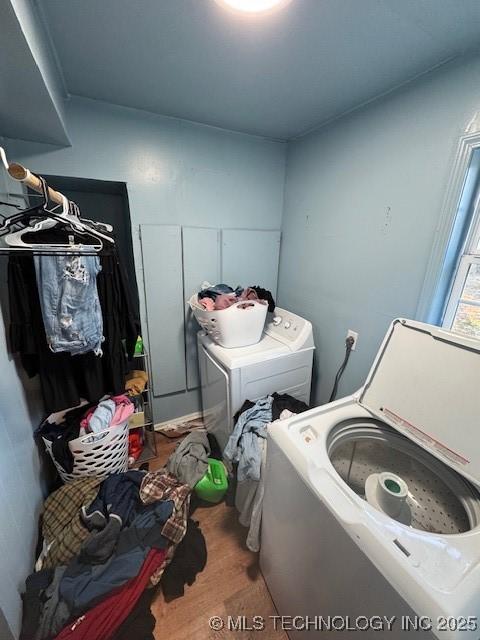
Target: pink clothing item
{"points": [[208, 304], [124, 410], [224, 301]]}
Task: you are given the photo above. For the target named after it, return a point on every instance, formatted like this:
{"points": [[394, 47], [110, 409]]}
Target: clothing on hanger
{"points": [[67, 288], [65, 379]]}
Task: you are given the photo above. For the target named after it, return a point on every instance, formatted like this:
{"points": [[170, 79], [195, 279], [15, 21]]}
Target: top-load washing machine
{"points": [[281, 362], [371, 510]]}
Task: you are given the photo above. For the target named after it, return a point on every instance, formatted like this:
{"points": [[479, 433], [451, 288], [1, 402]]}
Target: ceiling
{"points": [[29, 108], [275, 75]]}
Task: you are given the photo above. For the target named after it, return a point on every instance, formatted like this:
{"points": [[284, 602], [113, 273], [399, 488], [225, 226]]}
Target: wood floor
{"points": [[230, 585]]}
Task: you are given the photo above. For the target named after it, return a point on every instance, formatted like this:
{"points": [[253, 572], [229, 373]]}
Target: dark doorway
{"points": [[104, 201]]}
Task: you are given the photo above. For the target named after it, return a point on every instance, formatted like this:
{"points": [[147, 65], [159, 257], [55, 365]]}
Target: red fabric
{"points": [[135, 445], [101, 622]]}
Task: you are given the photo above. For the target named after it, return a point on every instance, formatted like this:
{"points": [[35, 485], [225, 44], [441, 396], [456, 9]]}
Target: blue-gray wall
{"points": [[362, 205], [176, 172], [21, 473], [363, 199], [33, 94]]}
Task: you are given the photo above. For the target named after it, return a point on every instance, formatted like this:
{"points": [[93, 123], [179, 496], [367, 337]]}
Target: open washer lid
{"points": [[425, 382]]}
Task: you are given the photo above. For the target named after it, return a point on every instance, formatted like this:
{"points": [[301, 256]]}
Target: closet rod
{"points": [[21, 174]]}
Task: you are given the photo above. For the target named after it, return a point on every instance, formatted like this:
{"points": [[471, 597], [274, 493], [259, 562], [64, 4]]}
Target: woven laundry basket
{"points": [[107, 454], [239, 325]]}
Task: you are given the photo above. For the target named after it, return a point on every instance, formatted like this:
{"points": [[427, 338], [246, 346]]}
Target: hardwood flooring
{"points": [[230, 585]]}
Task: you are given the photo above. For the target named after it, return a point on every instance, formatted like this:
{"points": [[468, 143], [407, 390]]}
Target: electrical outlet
{"points": [[354, 335]]}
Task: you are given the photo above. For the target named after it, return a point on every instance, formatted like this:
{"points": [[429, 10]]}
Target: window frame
{"points": [[470, 255], [442, 265], [473, 241], [455, 299]]}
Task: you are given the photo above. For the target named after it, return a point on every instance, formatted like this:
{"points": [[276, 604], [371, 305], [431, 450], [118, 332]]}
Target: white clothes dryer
{"points": [[281, 361], [371, 504]]}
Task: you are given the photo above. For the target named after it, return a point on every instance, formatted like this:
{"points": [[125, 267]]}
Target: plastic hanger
{"points": [[10, 204], [38, 210], [75, 210], [49, 219], [3, 158]]}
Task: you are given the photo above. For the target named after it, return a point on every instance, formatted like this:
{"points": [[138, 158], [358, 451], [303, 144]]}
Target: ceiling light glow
{"points": [[254, 6]]}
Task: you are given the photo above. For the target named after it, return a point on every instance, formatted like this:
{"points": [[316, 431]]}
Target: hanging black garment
{"points": [[64, 378]]}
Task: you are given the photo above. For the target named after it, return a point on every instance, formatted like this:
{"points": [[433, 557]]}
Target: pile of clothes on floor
{"points": [[222, 296], [106, 545], [246, 450]]}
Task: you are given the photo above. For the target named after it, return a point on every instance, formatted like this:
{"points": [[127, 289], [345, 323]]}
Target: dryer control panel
{"points": [[292, 330]]}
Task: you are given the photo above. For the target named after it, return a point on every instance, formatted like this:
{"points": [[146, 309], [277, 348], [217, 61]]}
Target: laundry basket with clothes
{"points": [[232, 317]]}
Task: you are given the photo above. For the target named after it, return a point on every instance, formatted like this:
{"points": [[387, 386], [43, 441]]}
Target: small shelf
{"points": [[141, 426], [142, 361]]}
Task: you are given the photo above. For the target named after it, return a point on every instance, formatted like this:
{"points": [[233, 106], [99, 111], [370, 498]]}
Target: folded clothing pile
{"points": [[103, 544], [222, 296]]}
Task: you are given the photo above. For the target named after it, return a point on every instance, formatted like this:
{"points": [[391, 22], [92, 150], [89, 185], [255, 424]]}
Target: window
{"points": [[462, 311]]}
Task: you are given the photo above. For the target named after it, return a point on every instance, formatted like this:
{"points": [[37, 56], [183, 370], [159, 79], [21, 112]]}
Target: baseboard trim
{"points": [[159, 426]]}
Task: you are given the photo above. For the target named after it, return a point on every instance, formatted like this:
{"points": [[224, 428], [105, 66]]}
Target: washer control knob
{"points": [[287, 325], [277, 320]]}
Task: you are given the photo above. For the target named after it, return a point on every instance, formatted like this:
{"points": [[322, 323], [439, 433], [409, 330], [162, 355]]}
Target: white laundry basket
{"points": [[239, 325], [107, 454]]}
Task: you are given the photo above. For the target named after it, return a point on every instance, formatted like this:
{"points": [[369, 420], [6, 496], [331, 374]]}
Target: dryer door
{"points": [[215, 397]]}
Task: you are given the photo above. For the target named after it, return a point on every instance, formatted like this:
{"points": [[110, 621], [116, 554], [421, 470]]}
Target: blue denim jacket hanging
{"points": [[72, 316]]}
